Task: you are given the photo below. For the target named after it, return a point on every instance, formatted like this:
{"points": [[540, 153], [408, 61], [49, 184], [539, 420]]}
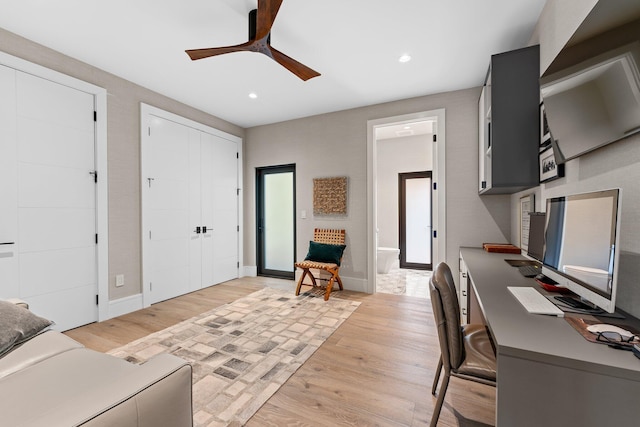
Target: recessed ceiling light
{"points": [[253, 95], [407, 127], [405, 58]]}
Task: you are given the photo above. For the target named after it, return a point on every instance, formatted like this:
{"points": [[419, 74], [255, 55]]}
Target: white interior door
{"points": [[203, 152], [190, 208], [50, 162], [9, 279], [168, 210], [224, 178]]}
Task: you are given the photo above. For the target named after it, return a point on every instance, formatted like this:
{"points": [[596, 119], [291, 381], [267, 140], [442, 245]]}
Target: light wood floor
{"points": [[375, 370]]}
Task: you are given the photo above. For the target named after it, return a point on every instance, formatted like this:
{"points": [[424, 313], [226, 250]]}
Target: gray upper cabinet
{"points": [[509, 123]]}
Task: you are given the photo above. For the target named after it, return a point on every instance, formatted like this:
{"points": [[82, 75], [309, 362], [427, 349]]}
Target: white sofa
{"points": [[51, 380]]}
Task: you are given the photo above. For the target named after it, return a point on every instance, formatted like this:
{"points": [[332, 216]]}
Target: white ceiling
{"points": [[354, 44]]}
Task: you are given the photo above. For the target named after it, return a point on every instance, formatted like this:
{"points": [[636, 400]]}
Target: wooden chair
{"points": [[326, 236], [466, 351]]}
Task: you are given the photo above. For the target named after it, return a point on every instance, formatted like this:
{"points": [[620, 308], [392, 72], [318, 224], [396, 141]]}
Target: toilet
{"points": [[386, 258]]}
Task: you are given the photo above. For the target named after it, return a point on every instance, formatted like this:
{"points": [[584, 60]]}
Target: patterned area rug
{"points": [[244, 351]]}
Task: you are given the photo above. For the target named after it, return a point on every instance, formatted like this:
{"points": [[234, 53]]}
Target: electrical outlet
{"points": [[119, 280]]}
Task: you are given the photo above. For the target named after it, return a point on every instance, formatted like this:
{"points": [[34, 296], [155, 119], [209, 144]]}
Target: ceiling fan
{"points": [[260, 23]]}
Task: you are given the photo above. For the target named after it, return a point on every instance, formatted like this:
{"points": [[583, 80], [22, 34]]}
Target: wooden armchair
{"points": [[325, 253]]}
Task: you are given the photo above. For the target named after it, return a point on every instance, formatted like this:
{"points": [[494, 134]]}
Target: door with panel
{"points": [[9, 279], [192, 210], [224, 182], [168, 210], [276, 222], [415, 212], [54, 174], [213, 209]]}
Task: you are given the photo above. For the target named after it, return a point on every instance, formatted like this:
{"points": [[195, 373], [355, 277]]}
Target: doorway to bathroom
{"points": [[414, 206], [403, 145]]}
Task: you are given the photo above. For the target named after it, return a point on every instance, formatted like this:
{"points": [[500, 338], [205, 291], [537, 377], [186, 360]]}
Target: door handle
{"points": [[7, 243], [204, 229], [197, 230]]}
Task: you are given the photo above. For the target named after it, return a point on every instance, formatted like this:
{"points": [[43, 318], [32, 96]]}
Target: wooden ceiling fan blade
{"points": [[195, 54], [267, 11], [300, 70]]}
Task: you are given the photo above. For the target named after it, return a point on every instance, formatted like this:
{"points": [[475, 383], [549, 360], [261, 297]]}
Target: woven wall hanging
{"points": [[330, 196]]}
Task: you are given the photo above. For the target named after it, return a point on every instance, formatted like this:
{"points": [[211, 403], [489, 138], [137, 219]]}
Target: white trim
{"points": [[249, 270], [124, 305], [439, 202], [146, 112], [102, 200]]}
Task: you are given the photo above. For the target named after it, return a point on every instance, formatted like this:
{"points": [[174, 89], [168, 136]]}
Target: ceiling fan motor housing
{"points": [[253, 24]]}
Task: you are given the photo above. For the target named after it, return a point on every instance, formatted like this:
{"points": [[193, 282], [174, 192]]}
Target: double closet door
{"points": [[48, 252], [190, 209]]}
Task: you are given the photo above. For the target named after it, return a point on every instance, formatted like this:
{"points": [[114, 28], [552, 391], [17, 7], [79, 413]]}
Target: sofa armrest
{"points": [[156, 393]]}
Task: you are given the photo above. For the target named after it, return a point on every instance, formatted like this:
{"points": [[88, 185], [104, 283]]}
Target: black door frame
{"points": [[261, 172], [402, 178]]}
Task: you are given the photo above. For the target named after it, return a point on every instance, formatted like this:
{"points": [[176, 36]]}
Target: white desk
{"points": [[548, 374]]}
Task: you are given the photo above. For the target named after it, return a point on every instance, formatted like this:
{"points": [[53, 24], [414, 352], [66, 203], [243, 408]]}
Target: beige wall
{"points": [[558, 21], [123, 133], [335, 144]]}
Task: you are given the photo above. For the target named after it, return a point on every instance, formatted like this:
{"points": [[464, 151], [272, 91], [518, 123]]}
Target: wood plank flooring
{"points": [[375, 370]]}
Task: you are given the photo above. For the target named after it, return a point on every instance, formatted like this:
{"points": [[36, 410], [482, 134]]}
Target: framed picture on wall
{"points": [[549, 167], [545, 133]]}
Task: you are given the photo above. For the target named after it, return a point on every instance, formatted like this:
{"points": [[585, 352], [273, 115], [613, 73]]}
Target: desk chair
{"points": [[465, 351], [325, 253]]}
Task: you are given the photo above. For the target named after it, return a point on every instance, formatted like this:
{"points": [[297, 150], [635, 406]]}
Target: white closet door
{"points": [[225, 210], [195, 209], [207, 158], [168, 210], [56, 200], [189, 207], [9, 279]]}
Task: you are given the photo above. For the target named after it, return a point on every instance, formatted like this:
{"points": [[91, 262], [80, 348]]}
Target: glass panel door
{"points": [[276, 220], [415, 220]]}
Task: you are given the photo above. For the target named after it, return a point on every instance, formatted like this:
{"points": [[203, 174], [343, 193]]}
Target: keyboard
{"points": [[534, 302], [529, 270]]}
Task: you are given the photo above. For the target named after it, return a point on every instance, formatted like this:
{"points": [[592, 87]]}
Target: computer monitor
{"points": [[581, 248], [535, 247]]}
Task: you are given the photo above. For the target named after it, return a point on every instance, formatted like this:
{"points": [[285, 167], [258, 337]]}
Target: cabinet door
{"points": [[484, 139], [508, 140], [482, 177]]}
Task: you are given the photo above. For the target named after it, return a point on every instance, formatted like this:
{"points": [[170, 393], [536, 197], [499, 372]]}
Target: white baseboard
{"points": [[356, 285], [132, 303], [249, 271], [124, 305]]}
